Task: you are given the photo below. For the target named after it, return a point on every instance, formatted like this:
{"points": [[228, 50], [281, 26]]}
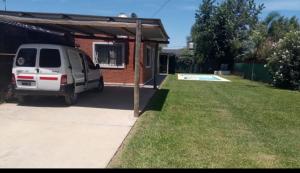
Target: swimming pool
{"points": [[202, 77]]}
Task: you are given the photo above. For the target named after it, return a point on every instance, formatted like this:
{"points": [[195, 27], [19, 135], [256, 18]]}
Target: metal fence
{"points": [[254, 71]]}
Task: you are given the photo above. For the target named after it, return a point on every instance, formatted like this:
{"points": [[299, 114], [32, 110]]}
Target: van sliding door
{"points": [[77, 70]]}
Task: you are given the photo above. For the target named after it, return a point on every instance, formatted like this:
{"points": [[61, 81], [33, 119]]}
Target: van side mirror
{"points": [[97, 66]]}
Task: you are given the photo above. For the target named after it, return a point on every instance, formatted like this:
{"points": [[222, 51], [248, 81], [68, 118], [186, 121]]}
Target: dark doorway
{"points": [[167, 63], [172, 64], [163, 64]]}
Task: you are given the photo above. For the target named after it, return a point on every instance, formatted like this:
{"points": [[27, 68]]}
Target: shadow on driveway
{"points": [[112, 97]]}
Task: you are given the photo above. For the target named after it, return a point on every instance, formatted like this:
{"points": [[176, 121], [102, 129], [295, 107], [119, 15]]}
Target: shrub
{"points": [[284, 63], [184, 65]]}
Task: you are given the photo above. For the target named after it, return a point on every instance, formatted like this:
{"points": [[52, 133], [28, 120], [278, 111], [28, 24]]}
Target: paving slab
{"points": [[44, 133]]}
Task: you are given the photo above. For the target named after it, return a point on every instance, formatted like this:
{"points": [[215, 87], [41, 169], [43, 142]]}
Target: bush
{"points": [[284, 63], [184, 65]]}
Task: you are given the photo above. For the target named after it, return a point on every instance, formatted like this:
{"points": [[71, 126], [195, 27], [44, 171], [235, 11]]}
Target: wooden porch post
{"points": [[155, 67], [137, 68]]}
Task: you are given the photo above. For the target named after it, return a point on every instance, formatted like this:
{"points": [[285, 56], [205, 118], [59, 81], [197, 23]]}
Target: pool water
{"points": [[201, 77]]}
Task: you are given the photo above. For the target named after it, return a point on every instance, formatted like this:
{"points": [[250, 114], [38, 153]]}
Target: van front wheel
{"points": [[101, 85], [71, 98], [22, 99]]}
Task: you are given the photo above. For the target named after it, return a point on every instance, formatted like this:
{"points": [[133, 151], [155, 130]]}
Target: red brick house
{"points": [[116, 58]]}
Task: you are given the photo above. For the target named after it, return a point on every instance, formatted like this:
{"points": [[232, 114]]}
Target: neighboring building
{"points": [[190, 44]]}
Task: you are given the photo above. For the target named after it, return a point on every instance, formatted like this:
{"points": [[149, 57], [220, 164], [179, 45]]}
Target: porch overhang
{"points": [[93, 27], [88, 26]]}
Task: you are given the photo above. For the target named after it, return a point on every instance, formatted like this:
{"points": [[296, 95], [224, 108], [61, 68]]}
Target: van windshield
{"points": [[26, 57], [50, 58]]}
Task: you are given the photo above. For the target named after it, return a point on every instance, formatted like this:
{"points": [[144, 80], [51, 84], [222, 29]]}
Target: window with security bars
{"points": [[109, 55]]}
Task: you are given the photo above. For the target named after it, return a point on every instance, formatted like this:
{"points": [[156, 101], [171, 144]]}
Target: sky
{"points": [[177, 15]]}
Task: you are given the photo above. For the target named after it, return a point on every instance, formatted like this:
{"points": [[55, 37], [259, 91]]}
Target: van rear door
{"points": [[25, 69], [49, 69]]}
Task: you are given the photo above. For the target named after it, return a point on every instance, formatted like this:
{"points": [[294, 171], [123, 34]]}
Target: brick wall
{"points": [[124, 75]]}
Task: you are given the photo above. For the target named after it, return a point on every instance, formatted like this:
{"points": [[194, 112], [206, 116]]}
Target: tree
{"points": [[202, 34], [220, 31], [267, 33], [235, 20], [186, 61], [278, 25]]}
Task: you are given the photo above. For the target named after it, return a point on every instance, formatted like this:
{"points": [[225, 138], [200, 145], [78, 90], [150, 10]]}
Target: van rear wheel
{"points": [[71, 98]]}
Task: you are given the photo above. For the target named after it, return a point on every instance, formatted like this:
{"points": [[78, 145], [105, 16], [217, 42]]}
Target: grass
{"points": [[240, 124]]}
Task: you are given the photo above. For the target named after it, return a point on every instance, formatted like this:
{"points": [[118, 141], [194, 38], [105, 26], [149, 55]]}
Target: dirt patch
{"points": [[265, 160], [223, 113]]}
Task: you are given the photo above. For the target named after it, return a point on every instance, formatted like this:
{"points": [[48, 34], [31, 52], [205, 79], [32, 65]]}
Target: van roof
{"points": [[43, 45]]}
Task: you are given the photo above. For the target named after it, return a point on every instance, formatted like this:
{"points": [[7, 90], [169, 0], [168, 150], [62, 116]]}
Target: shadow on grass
{"points": [[252, 86], [157, 102], [260, 84]]}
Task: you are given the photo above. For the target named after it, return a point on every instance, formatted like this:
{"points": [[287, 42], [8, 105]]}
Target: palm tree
{"points": [[271, 17], [278, 26]]}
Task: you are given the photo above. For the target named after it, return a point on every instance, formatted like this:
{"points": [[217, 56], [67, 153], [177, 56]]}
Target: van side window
{"points": [[26, 58], [50, 58], [82, 60], [75, 61], [90, 63]]}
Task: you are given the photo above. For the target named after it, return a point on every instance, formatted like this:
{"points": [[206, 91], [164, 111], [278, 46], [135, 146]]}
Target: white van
{"points": [[46, 69]]}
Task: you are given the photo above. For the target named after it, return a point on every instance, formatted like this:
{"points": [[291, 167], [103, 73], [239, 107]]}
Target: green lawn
{"points": [[215, 125]]}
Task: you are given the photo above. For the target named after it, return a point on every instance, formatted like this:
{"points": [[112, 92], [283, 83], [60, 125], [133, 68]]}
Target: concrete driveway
{"points": [[46, 134]]}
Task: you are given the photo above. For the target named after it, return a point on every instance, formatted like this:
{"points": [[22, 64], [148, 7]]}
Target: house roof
{"points": [[87, 25], [176, 52]]}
